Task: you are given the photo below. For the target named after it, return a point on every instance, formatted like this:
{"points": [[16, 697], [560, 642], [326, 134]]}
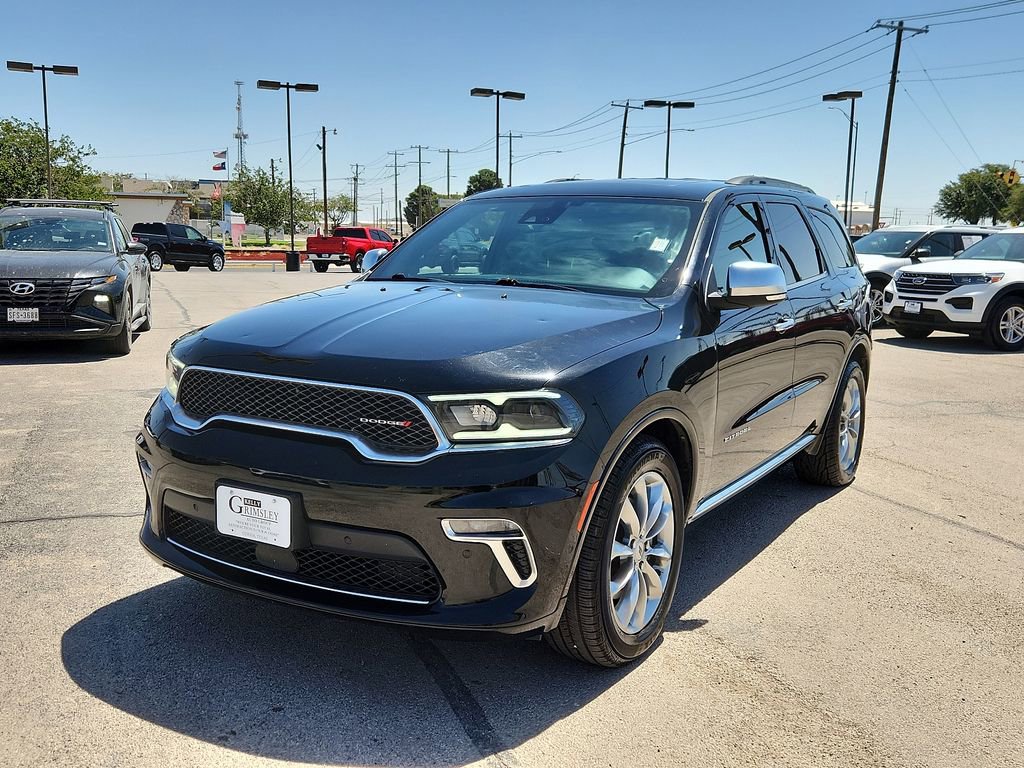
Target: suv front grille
{"points": [[923, 284], [371, 576], [389, 422], [49, 294]]}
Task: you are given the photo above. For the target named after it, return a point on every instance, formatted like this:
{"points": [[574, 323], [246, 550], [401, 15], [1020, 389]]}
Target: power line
{"points": [[975, 18], [955, 11], [944, 104], [963, 77]]}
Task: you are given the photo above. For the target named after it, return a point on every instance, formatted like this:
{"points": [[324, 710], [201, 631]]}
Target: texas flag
{"points": [[220, 167], [222, 155]]}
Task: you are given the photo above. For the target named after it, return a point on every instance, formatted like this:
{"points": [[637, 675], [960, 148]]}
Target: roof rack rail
{"points": [[768, 181], [45, 203]]}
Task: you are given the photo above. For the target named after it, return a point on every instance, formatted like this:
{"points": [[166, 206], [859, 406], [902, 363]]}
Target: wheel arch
{"points": [[875, 277], [1014, 290], [859, 353]]}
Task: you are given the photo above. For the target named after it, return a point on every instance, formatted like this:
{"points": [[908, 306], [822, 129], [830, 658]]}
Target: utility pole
{"points": [[448, 169], [899, 28], [510, 137], [622, 142], [322, 146], [273, 177], [355, 194], [398, 210], [419, 162]]}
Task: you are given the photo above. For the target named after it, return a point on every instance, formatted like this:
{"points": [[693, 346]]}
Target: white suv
{"points": [[980, 292], [883, 251]]}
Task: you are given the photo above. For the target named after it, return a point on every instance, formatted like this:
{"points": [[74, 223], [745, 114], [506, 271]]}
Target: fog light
{"points": [[103, 303], [515, 561], [457, 527]]}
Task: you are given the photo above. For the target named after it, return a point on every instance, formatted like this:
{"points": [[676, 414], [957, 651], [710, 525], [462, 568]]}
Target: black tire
{"points": [[156, 260], [826, 467], [356, 263], [182, 267], [910, 332], [320, 266], [1006, 311], [216, 262], [122, 343], [147, 323], [586, 631]]}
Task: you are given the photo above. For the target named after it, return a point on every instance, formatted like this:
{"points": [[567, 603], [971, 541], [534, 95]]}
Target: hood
{"points": [[55, 264], [422, 338], [876, 262], [969, 267]]}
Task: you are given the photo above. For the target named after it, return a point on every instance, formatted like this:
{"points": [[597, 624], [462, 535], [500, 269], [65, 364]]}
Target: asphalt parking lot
{"points": [[877, 625]]}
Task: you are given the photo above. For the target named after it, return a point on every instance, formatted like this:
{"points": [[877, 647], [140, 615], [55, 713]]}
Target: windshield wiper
{"points": [[415, 278], [522, 284]]}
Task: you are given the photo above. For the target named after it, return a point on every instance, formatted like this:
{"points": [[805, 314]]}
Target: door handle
{"points": [[784, 324]]}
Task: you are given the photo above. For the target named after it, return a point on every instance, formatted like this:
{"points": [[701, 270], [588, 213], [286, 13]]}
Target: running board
{"points": [[756, 474]]}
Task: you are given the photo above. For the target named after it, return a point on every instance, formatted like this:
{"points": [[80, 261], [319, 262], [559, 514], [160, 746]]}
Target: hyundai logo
{"points": [[22, 289], [920, 280]]}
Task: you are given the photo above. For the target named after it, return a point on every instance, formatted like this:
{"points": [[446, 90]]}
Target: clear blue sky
{"points": [[156, 92]]}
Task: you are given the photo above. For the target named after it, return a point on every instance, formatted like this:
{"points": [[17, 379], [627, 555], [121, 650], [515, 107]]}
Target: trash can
{"points": [[291, 261]]}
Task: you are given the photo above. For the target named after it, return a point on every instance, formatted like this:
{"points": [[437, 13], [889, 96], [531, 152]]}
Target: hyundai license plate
{"points": [[912, 307], [254, 515], [26, 315]]}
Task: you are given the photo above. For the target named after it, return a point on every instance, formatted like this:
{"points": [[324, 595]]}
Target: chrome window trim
{"points": [[444, 445], [297, 582]]}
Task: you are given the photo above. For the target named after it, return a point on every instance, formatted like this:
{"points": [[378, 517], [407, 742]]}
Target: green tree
{"points": [[23, 164], [1013, 212], [483, 180], [338, 207], [421, 205], [975, 195], [263, 200]]}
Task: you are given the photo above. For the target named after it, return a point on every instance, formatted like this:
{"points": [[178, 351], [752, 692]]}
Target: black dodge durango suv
{"points": [[518, 445]]}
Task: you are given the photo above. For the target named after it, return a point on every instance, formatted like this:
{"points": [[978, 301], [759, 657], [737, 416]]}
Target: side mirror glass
{"points": [[136, 249], [751, 284], [372, 258]]}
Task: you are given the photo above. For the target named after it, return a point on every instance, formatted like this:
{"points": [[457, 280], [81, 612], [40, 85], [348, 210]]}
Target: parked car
{"points": [[882, 252], [980, 292], [517, 449], [180, 245], [347, 245], [70, 270]]}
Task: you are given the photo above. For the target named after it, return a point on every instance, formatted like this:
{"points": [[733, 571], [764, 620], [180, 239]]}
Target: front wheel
{"points": [[122, 343], [838, 455], [1006, 328], [217, 262], [876, 298], [156, 261], [357, 262], [908, 332], [628, 568]]}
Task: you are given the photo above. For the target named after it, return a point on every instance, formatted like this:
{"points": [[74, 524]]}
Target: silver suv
{"points": [[884, 251]]}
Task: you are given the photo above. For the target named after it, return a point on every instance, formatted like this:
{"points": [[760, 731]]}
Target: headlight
{"points": [[978, 279], [104, 280], [897, 274], [174, 370], [508, 416]]}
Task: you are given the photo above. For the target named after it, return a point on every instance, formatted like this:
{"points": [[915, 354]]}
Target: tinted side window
{"points": [[124, 232], [969, 240], [942, 245], [797, 254], [833, 241], [176, 230], [193, 234], [355, 232], [149, 229], [120, 244], [740, 237]]}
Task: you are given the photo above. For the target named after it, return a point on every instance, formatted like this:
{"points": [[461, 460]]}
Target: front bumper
{"points": [[354, 510], [55, 326], [961, 310]]}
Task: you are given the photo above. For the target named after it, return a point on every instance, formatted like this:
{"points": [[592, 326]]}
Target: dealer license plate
{"points": [[254, 515], [27, 315], [912, 307]]}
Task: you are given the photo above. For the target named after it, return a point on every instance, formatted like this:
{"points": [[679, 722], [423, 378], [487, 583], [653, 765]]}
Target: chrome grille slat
{"points": [[932, 285], [206, 393]]}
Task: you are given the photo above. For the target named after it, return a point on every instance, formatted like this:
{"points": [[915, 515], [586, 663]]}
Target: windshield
{"points": [[887, 243], [604, 245], [35, 232], [1004, 247]]}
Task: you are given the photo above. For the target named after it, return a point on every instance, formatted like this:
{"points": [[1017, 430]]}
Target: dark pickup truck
{"points": [[182, 246]]}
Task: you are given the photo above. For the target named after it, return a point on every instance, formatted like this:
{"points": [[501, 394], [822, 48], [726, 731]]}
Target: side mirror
{"points": [[924, 252], [136, 249], [372, 258], [750, 284]]}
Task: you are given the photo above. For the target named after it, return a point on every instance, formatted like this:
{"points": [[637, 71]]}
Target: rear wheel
{"points": [[357, 262], [909, 332], [1006, 328], [838, 455], [876, 297], [216, 262], [182, 267], [628, 568], [156, 261], [320, 266]]}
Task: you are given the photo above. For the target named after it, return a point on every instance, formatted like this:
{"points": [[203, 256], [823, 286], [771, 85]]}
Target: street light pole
{"points": [[669, 106], [275, 85], [852, 97], [498, 96], [25, 66]]}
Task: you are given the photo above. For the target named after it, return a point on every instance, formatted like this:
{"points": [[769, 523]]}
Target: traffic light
{"points": [[1010, 177]]}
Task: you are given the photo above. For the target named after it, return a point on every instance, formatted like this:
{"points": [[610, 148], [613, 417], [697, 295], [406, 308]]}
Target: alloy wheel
{"points": [[641, 555], [156, 262], [1011, 325], [877, 300], [850, 418]]}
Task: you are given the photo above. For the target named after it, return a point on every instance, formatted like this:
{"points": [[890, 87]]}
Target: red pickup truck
{"points": [[348, 245]]}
